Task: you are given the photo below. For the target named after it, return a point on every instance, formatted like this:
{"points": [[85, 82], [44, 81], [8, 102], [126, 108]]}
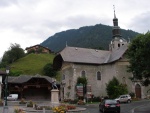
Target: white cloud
{"points": [[30, 22]]}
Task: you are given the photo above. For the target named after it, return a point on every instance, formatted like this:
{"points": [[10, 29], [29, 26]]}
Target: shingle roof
{"points": [[25, 78], [91, 56], [116, 55]]}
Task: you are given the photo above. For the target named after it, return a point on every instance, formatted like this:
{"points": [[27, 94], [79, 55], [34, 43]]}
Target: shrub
{"points": [[132, 95], [30, 104], [60, 109], [22, 101], [114, 88], [96, 99], [73, 101], [18, 110], [81, 102], [63, 108]]}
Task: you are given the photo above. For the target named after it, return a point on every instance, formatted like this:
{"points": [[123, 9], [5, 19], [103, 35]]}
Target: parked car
{"points": [[108, 105], [124, 99], [12, 97]]}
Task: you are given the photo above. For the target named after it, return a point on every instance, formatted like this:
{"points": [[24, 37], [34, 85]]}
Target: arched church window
{"points": [[118, 45], [83, 74], [98, 75]]}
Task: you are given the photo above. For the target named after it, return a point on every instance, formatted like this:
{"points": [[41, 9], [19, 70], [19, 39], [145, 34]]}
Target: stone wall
{"points": [[118, 69]]}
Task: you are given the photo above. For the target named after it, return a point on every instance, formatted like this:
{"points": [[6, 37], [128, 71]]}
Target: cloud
{"points": [[5, 3], [141, 22], [30, 22]]}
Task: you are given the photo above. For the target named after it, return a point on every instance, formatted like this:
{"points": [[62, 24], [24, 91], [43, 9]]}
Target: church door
{"points": [[138, 91]]}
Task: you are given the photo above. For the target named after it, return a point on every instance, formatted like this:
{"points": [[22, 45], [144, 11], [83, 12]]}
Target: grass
{"points": [[32, 64]]}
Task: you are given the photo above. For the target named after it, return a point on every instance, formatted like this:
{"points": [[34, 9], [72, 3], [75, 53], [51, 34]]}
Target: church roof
{"points": [[84, 55], [91, 56], [116, 55]]}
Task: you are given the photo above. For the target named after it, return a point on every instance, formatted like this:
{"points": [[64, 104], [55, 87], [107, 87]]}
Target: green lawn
{"points": [[32, 64]]}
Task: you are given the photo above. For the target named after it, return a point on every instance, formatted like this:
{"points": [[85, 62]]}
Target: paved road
{"points": [[134, 107]]}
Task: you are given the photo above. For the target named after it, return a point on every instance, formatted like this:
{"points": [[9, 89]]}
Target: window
{"points": [[98, 75], [63, 77], [83, 74]]}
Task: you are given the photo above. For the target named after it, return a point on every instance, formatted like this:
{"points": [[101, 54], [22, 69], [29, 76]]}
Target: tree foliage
{"points": [[14, 53], [139, 58], [49, 71], [114, 88], [82, 80]]}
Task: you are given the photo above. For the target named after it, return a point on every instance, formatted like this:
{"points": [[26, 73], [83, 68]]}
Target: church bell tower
{"points": [[117, 40]]}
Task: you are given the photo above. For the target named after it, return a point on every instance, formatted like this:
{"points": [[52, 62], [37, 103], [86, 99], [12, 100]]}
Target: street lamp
{"points": [[6, 83]]}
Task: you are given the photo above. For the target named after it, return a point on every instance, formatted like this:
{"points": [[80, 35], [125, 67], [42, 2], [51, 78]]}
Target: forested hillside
{"points": [[98, 36]]}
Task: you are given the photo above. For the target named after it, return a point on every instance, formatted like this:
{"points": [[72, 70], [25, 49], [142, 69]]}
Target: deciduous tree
{"points": [[114, 88], [14, 53], [139, 58], [49, 71]]}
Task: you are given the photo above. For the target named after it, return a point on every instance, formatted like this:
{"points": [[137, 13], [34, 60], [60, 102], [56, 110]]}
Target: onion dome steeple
{"points": [[116, 28]]}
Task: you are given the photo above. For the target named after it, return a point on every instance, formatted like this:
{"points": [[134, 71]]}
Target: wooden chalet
{"points": [[31, 87], [38, 49]]}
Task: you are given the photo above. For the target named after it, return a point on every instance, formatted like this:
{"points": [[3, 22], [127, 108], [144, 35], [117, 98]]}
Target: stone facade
{"points": [[98, 87], [71, 71]]}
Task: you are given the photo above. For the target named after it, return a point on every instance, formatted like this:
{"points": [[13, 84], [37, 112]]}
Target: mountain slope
{"points": [[88, 37], [32, 64]]}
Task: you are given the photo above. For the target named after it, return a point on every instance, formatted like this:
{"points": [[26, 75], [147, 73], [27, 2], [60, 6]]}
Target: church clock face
{"points": [[121, 40]]}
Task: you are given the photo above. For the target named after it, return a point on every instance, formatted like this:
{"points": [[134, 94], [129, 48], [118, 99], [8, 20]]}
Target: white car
{"points": [[12, 97], [124, 98]]}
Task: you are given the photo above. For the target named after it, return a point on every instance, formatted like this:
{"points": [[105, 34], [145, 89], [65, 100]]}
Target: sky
{"points": [[30, 22]]}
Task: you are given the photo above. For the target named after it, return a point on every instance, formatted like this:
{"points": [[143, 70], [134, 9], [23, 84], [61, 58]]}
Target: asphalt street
{"points": [[134, 107]]}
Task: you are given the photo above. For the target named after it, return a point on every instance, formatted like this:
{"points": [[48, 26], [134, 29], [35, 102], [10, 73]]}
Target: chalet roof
{"points": [[35, 46], [91, 56], [25, 78]]}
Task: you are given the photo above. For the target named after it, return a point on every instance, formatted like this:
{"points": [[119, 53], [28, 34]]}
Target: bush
{"points": [[63, 108], [114, 88], [81, 102], [132, 95], [96, 99], [18, 110], [22, 101], [73, 101], [30, 104]]}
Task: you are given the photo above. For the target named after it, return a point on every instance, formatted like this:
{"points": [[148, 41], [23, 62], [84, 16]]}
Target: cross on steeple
{"points": [[114, 11]]}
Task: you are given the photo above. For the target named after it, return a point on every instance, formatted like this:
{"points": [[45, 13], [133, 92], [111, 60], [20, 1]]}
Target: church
{"points": [[98, 66]]}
